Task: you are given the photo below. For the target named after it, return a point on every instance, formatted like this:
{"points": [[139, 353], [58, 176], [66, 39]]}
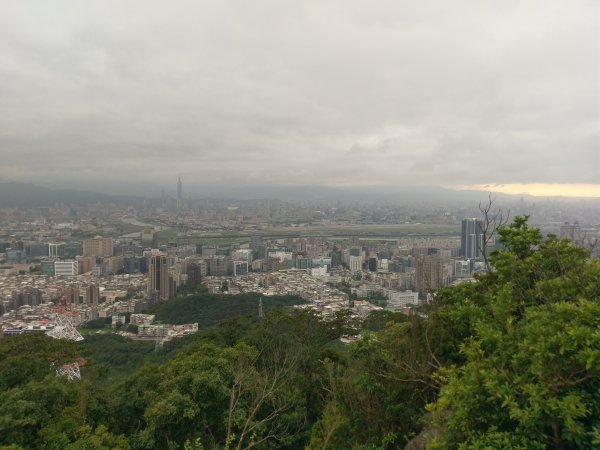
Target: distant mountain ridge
{"points": [[28, 195]]}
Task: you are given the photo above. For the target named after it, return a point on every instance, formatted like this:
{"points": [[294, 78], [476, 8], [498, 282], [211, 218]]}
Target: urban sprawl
{"points": [[114, 261]]}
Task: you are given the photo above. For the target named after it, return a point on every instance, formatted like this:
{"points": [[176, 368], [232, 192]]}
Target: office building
{"points": [[98, 246], [56, 249], [47, 268], [66, 268], [159, 276], [37, 249], [398, 300], [471, 239]]}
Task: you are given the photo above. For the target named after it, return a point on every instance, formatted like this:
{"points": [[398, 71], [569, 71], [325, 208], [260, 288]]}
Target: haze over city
{"points": [[111, 95]]}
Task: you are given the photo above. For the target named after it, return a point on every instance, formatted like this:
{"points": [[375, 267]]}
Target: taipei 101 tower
{"points": [[179, 195]]}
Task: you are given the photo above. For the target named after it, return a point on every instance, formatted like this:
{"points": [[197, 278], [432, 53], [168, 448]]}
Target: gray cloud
{"points": [[333, 93]]}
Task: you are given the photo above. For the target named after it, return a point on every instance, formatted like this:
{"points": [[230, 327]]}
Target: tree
{"points": [[530, 370], [263, 404], [492, 220], [378, 395], [98, 439]]}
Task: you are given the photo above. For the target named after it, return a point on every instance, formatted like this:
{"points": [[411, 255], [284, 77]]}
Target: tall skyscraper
{"points": [[159, 276], [179, 193], [471, 239]]}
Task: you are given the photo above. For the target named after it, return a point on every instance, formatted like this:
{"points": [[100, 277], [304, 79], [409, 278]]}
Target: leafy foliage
{"points": [[208, 309], [531, 371]]}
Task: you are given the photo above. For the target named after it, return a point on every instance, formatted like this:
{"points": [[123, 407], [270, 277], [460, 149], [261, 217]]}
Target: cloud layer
{"points": [[340, 93]]}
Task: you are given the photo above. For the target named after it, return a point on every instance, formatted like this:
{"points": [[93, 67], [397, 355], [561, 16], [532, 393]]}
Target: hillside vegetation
{"points": [[208, 309], [511, 361]]}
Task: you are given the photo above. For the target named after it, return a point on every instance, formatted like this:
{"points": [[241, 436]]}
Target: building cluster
{"points": [[402, 272], [30, 300], [107, 260], [147, 329]]}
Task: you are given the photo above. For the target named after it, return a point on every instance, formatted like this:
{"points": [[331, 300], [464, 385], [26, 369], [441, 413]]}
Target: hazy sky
{"points": [[337, 93]]}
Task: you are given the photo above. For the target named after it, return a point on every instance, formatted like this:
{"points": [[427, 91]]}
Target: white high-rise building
{"points": [[355, 263]]}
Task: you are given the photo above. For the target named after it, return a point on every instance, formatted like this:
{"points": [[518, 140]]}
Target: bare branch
{"points": [[492, 219]]}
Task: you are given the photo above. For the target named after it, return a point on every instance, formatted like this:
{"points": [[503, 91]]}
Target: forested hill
{"points": [[511, 361], [27, 195], [208, 309]]}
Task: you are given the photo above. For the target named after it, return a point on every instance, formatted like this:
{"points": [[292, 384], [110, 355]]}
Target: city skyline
{"points": [[337, 94]]}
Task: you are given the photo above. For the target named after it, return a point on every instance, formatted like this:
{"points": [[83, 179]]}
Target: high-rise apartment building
{"points": [[91, 295], [158, 280], [471, 239], [217, 265], [98, 246], [31, 297], [428, 274], [239, 268], [86, 263], [196, 269]]}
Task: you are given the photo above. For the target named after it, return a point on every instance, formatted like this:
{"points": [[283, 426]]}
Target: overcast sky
{"points": [[336, 93]]}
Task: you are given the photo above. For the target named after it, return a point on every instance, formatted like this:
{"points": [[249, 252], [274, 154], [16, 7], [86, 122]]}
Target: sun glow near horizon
{"points": [[541, 189]]}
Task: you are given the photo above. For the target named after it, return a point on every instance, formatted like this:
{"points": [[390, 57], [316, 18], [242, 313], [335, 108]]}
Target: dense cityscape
{"points": [[106, 260]]}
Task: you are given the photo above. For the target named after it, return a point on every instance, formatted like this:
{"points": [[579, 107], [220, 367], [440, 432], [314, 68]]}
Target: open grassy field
{"points": [[363, 232], [369, 230], [210, 240]]}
